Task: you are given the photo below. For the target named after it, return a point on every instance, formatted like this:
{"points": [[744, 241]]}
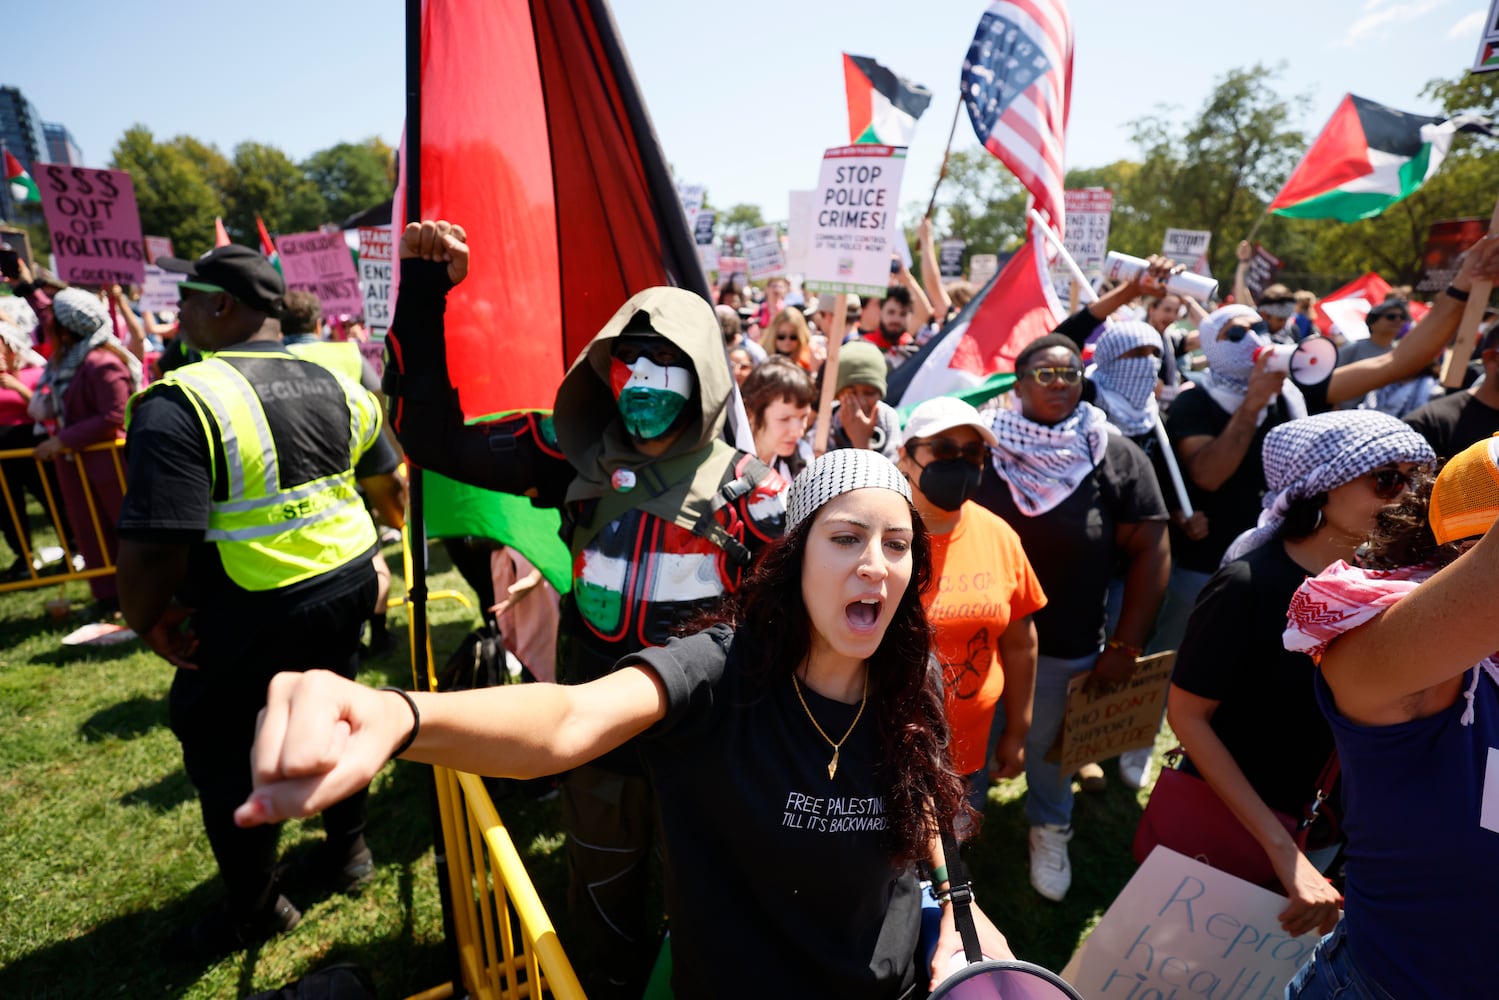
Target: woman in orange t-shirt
{"points": [[983, 596]]}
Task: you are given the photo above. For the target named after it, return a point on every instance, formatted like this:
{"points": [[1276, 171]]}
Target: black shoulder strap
{"points": [[751, 472], [962, 898]]}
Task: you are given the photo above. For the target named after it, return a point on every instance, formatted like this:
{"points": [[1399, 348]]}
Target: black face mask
{"points": [[947, 484]]}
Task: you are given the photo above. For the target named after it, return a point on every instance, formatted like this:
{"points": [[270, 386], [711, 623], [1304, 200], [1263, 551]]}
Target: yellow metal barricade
{"points": [[15, 510], [507, 947]]}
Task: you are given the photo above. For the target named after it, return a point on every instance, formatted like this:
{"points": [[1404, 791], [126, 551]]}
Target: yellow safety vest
{"points": [[271, 535], [340, 356]]}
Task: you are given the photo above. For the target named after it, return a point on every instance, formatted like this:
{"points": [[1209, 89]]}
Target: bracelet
{"points": [[944, 896], [1453, 292], [416, 722], [1134, 651], [939, 874]]}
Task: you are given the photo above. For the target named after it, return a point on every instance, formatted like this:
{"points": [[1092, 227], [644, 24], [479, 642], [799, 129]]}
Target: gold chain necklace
{"points": [[833, 764]]}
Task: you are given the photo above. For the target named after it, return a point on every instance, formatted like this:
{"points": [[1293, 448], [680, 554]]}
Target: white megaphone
{"points": [[1308, 363]]}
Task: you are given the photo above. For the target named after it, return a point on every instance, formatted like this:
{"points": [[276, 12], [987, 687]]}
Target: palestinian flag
{"points": [[22, 187], [267, 248], [882, 107], [220, 234], [1367, 158]]}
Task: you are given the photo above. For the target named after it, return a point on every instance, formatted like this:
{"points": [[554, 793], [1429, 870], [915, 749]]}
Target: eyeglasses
{"points": [[1390, 483], [946, 449], [1049, 376], [660, 352]]}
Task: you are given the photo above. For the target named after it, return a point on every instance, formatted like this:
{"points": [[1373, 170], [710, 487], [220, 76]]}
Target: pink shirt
{"points": [[12, 403]]}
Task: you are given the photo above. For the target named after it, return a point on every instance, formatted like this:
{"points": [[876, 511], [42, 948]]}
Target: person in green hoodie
{"points": [[663, 518]]}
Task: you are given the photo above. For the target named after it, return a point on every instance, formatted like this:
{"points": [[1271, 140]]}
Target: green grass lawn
{"points": [[103, 852]]}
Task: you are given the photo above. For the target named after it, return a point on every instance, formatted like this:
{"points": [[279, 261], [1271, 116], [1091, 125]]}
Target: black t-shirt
{"points": [[1453, 422], [779, 879], [1072, 545], [1233, 653], [171, 488]]}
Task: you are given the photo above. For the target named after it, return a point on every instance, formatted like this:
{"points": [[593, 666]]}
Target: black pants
{"points": [[213, 712], [22, 477]]}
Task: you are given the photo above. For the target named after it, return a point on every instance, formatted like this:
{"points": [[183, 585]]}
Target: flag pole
{"points": [[945, 154], [829, 376], [1257, 224], [1079, 280]]}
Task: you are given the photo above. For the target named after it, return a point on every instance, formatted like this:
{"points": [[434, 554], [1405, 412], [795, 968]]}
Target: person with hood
{"points": [[662, 516], [82, 394]]}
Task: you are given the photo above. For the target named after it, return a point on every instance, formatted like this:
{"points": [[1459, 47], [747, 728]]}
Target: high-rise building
{"points": [[21, 134], [61, 148]]}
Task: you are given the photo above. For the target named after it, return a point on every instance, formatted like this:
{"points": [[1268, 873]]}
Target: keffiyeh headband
{"points": [[1315, 454], [1044, 464], [840, 471]]}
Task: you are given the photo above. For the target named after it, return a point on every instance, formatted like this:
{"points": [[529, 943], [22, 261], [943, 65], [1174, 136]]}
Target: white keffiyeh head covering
{"points": [[1126, 386], [1230, 363], [85, 316], [840, 471], [1043, 464], [1315, 454]]}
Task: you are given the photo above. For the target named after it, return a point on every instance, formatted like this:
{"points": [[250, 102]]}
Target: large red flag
{"points": [[534, 137]]}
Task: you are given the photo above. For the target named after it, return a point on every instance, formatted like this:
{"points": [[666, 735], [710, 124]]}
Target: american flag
{"points": [[1017, 82]]}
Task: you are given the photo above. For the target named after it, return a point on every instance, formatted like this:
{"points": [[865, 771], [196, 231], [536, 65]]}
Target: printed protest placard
{"points": [[375, 272], [94, 224], [802, 205], [858, 191], [692, 201], [1445, 242], [1100, 724], [1487, 59], [950, 257], [1189, 247], [320, 263], [1261, 272], [982, 267], [728, 267], [1182, 929], [1085, 234], [159, 290], [158, 246], [762, 248]]}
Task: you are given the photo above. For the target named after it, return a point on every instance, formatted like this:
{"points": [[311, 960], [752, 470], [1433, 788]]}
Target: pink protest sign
{"points": [[320, 263], [94, 223]]}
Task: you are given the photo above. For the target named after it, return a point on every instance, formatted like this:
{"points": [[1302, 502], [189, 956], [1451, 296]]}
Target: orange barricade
{"points": [[15, 510]]}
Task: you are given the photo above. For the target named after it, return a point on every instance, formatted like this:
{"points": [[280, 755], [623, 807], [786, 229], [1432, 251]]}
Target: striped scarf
{"points": [[1044, 465]]}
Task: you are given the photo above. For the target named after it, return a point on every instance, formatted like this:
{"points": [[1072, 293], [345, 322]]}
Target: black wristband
{"points": [[416, 722], [1453, 292]]}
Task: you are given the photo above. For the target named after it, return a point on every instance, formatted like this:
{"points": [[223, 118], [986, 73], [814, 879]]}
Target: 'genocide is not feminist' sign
{"points": [[320, 263]]}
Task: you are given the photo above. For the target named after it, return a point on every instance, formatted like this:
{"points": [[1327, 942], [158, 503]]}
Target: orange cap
{"points": [[1465, 498]]}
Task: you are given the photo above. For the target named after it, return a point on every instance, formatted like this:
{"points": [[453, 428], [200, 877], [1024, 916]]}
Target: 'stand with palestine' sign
{"points": [[94, 223], [853, 219], [375, 267], [320, 263]]}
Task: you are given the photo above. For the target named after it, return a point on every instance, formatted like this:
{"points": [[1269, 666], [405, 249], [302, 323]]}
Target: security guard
{"points": [[245, 550]]}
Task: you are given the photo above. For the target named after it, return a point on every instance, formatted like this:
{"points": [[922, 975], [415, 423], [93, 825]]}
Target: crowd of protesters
{"points": [[1153, 482]]}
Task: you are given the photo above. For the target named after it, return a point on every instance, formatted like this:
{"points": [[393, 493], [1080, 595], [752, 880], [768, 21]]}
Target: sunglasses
{"points": [[1390, 483], [1238, 332], [1396, 316], [1049, 376], [787, 336], [946, 449], [660, 352]]}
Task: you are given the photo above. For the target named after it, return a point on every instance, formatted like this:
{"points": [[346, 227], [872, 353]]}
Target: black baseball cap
{"points": [[240, 271]]}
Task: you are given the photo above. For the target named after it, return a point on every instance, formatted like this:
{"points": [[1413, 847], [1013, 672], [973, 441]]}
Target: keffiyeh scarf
{"points": [[1044, 465], [1230, 364], [1315, 454], [1126, 386]]}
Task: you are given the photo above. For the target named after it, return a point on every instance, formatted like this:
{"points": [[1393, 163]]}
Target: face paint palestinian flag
{"points": [[22, 187], [882, 107], [650, 396], [1366, 159]]}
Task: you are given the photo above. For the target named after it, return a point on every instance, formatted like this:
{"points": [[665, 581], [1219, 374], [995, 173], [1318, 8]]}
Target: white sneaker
{"points": [[1051, 870], [1135, 768]]}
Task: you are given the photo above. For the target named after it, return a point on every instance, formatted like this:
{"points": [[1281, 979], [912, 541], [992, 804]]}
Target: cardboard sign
{"points": [[158, 246], [95, 226], [982, 267], [950, 257], [159, 290], [853, 220], [1487, 59], [1085, 234], [762, 248], [1182, 929], [1262, 270], [376, 267], [1103, 724], [320, 263], [1445, 242], [1189, 247]]}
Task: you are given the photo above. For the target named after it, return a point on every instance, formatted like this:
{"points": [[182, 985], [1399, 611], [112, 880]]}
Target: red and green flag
{"points": [[1367, 158], [882, 107], [22, 187], [220, 234], [267, 248]]}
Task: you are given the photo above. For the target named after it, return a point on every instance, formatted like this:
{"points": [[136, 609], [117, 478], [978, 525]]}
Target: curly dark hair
{"points": [[1303, 516], [921, 787], [1402, 533]]}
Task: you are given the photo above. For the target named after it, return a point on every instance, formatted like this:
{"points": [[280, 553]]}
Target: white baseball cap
{"points": [[943, 414]]}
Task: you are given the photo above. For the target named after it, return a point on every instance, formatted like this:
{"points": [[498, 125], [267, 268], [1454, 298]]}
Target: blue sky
{"points": [[744, 95]]}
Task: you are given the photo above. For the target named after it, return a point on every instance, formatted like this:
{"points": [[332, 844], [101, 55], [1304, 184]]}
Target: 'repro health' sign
{"points": [[853, 220]]}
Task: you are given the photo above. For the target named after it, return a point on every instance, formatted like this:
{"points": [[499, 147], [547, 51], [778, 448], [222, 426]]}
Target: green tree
{"points": [[733, 221], [267, 183], [980, 202], [174, 197], [212, 164], [352, 177]]}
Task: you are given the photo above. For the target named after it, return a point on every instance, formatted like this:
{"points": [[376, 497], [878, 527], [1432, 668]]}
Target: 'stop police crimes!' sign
{"points": [[94, 224], [853, 209]]}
